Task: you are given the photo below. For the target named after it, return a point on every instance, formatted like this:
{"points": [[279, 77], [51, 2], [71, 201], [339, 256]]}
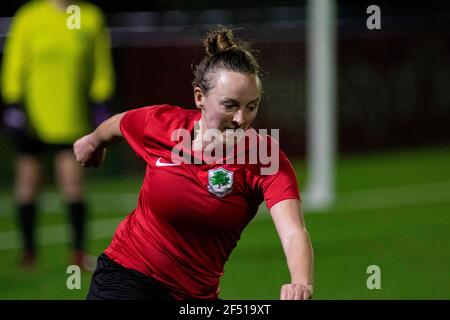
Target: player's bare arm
{"points": [[90, 149], [289, 222]]}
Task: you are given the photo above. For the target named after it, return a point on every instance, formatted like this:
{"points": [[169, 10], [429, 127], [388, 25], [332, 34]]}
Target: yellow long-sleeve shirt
{"points": [[56, 71]]}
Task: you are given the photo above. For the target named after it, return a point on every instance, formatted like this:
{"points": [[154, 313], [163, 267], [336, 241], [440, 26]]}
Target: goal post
{"points": [[321, 133]]}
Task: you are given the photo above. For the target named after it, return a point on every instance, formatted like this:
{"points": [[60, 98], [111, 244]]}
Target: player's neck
{"points": [[199, 130], [203, 136]]}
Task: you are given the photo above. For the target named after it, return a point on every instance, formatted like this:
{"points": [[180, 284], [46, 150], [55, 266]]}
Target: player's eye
{"points": [[229, 106], [252, 107]]}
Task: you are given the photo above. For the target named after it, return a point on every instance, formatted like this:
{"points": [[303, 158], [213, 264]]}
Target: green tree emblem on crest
{"points": [[220, 178]]}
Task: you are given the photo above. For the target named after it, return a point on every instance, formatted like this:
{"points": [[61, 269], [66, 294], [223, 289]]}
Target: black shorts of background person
{"points": [[33, 146]]}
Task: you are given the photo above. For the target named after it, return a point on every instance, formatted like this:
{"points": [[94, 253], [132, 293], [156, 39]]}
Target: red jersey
{"points": [[182, 232]]}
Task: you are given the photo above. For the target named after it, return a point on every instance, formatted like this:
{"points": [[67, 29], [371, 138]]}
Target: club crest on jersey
{"points": [[220, 181]]}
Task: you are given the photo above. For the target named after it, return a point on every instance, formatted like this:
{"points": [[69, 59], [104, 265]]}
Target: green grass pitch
{"points": [[392, 210]]}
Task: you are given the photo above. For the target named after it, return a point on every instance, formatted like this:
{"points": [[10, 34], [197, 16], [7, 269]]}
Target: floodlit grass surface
{"points": [[392, 210]]}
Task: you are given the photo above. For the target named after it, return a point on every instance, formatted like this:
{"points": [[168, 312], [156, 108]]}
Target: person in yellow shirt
{"points": [[53, 71]]}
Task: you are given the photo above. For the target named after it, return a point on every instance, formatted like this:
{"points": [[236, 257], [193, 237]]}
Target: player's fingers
{"points": [[298, 293], [295, 292], [307, 293], [284, 292], [290, 292], [79, 154]]}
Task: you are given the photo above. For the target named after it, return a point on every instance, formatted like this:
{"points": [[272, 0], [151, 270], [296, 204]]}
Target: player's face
{"points": [[232, 102]]}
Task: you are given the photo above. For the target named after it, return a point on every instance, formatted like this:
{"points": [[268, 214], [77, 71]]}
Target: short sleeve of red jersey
{"points": [[280, 186], [133, 125]]}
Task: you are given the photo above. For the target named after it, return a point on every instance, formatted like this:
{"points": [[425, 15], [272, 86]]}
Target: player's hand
{"points": [[15, 120], [88, 151], [294, 291]]}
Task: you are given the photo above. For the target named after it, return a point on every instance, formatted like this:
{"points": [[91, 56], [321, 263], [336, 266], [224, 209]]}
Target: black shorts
{"points": [[112, 281], [29, 145]]}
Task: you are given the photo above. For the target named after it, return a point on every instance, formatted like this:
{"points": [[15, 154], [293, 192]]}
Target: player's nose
{"points": [[238, 119]]}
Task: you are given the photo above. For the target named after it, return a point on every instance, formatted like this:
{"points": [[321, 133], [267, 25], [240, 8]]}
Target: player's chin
{"points": [[231, 140], [230, 133]]}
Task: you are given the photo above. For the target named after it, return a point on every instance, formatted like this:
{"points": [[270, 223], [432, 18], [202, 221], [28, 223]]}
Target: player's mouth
{"points": [[233, 128]]}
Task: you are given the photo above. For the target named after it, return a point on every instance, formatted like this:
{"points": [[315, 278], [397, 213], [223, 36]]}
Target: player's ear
{"points": [[199, 98]]}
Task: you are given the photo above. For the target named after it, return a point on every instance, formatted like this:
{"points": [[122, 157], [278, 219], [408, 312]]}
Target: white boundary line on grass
{"points": [[393, 197], [97, 229], [51, 203], [350, 201]]}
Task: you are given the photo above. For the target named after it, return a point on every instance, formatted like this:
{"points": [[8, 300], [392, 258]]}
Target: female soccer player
{"points": [[189, 216]]}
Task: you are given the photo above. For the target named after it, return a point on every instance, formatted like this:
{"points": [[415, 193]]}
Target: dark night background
{"points": [[392, 85]]}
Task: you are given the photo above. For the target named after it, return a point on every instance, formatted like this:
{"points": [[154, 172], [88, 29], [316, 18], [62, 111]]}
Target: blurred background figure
{"points": [[56, 81]]}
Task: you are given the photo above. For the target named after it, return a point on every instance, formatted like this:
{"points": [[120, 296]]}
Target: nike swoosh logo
{"points": [[163, 164]]}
